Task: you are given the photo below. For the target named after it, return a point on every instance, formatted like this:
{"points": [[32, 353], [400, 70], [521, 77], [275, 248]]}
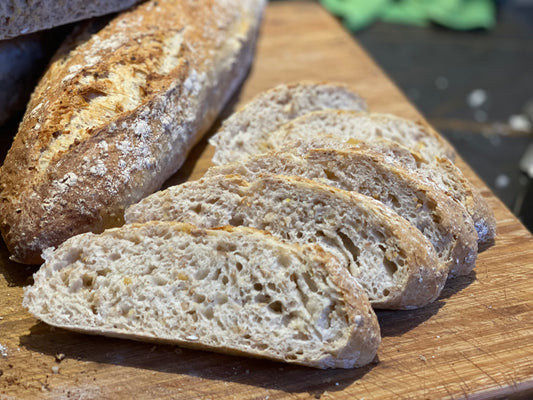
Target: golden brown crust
{"points": [[116, 114]]}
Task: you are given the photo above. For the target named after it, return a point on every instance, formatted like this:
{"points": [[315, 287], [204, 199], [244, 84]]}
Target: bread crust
{"points": [[89, 144]]}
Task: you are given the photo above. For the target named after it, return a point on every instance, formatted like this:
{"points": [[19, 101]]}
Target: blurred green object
{"points": [[454, 14]]}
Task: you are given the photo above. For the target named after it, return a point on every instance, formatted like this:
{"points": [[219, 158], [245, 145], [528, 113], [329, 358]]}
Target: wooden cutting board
{"points": [[476, 341]]}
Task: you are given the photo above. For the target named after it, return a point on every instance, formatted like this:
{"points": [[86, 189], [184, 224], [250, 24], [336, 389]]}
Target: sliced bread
{"points": [[393, 261], [439, 172], [244, 131], [442, 220], [363, 126], [232, 290]]}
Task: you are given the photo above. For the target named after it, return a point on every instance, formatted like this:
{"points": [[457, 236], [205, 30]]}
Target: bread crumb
{"points": [[60, 357], [422, 358], [55, 369]]}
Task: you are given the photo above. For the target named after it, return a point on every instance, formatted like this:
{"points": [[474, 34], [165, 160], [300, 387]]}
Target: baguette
{"points": [[245, 130], [20, 17], [393, 261], [442, 220], [365, 126], [232, 290], [440, 173], [116, 114]]}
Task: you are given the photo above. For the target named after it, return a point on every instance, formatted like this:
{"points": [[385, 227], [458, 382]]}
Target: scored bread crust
{"points": [[393, 261], [116, 114], [246, 129], [442, 220], [232, 290]]}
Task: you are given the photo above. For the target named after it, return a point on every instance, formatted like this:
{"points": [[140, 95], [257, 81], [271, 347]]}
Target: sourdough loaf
{"points": [[393, 261], [245, 131], [116, 114], [442, 220], [20, 17], [439, 172], [233, 290]]}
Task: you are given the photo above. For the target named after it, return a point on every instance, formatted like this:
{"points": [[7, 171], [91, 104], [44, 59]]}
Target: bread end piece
{"points": [[231, 290]]}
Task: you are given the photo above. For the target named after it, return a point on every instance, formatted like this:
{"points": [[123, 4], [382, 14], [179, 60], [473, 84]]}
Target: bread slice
{"points": [[116, 114], [440, 173], [442, 220], [245, 131], [20, 17], [393, 261], [232, 290], [363, 126]]}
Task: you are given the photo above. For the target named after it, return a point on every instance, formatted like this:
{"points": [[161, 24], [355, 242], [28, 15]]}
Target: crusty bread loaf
{"points": [[393, 261], [116, 114], [439, 172], [245, 130], [233, 290], [20, 17], [365, 126], [443, 221]]}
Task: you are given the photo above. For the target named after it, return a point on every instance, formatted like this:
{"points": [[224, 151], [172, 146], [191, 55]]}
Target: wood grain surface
{"points": [[475, 341]]}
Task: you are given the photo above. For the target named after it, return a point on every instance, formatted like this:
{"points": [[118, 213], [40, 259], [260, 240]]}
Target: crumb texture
{"points": [[395, 263], [237, 290]]}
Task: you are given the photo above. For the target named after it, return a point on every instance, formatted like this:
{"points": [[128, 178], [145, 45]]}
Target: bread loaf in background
{"points": [[232, 290], [116, 114], [20, 17], [22, 61]]}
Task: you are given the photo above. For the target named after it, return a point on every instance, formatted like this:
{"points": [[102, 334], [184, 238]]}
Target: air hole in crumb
{"points": [[236, 220], [386, 292], [209, 313], [350, 246], [114, 256], [390, 267], [198, 298], [262, 346], [310, 283], [291, 357], [87, 280], [276, 306], [197, 209], [262, 298], [331, 175], [271, 286], [258, 286], [225, 280], [239, 266]]}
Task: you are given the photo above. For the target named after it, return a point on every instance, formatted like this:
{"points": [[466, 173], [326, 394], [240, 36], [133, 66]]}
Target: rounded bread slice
{"points": [[442, 220], [245, 130], [440, 173], [416, 135], [231, 290], [394, 262]]}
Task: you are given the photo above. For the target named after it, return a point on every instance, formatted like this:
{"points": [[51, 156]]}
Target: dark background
{"points": [[438, 68]]}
